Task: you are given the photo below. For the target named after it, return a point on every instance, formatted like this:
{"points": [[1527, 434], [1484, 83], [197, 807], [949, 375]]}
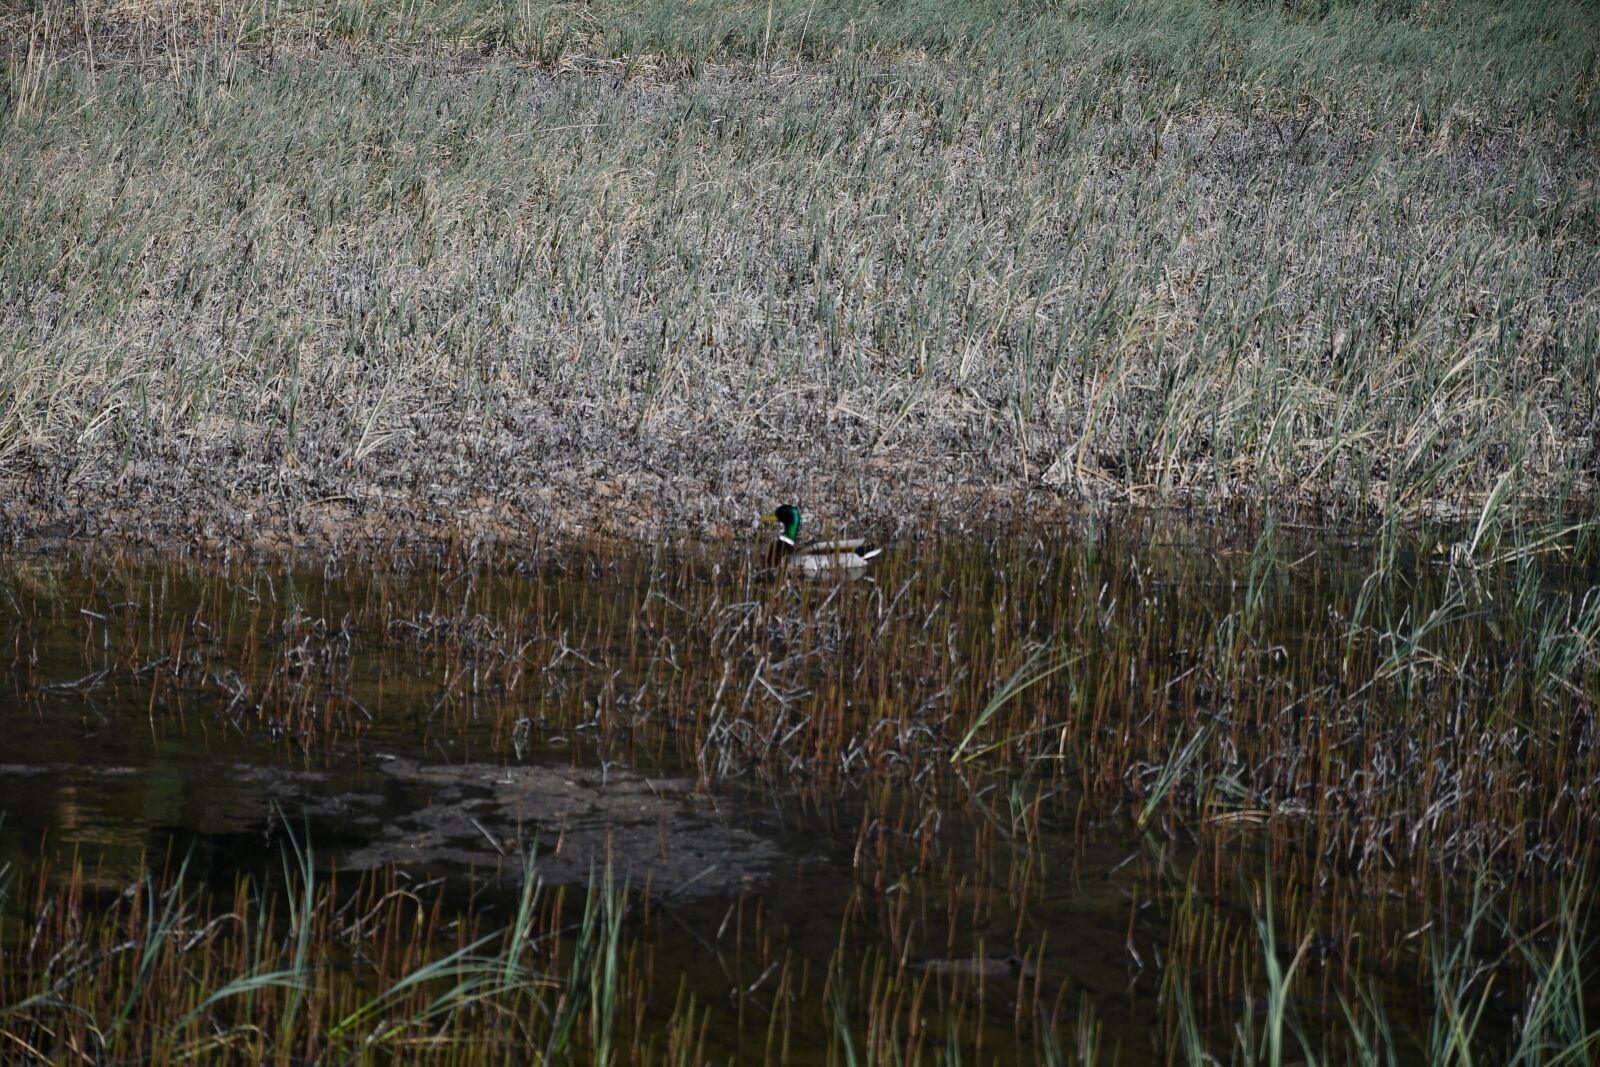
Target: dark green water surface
{"points": [[1047, 780]]}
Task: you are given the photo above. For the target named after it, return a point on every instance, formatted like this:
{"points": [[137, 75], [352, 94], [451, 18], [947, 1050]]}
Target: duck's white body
{"points": [[824, 557]]}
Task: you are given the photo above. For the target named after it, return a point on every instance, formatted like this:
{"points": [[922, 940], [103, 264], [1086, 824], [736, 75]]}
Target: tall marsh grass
{"points": [[1338, 255], [1462, 976]]}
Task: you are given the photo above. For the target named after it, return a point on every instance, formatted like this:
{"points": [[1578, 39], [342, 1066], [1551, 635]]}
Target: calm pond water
{"points": [[1000, 793]]}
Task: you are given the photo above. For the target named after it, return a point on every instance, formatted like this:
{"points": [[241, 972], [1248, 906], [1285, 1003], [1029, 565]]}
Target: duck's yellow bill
{"points": [[770, 516]]}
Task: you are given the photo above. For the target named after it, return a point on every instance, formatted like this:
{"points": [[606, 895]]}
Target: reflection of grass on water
{"points": [[1555, 1029], [303, 973], [1382, 729], [163, 970]]}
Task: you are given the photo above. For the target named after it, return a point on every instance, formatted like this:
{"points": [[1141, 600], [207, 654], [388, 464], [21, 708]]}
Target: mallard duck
{"points": [[814, 557]]}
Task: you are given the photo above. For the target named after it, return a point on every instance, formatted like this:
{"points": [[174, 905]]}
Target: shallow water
{"points": [[800, 780]]}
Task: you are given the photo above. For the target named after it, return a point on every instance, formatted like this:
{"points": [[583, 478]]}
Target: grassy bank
{"points": [[288, 269]]}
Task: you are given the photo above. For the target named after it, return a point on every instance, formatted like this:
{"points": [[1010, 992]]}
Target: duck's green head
{"points": [[789, 517]]}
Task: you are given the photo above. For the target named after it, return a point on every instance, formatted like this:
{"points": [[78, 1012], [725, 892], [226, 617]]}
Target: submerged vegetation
{"points": [[1151, 791], [300, 270]]}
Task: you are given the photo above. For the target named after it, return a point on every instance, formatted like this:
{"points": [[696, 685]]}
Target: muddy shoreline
{"points": [[556, 485], [568, 482]]}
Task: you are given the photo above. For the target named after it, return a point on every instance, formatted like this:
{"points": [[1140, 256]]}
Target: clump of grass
{"points": [[1554, 1030], [381, 970]]}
